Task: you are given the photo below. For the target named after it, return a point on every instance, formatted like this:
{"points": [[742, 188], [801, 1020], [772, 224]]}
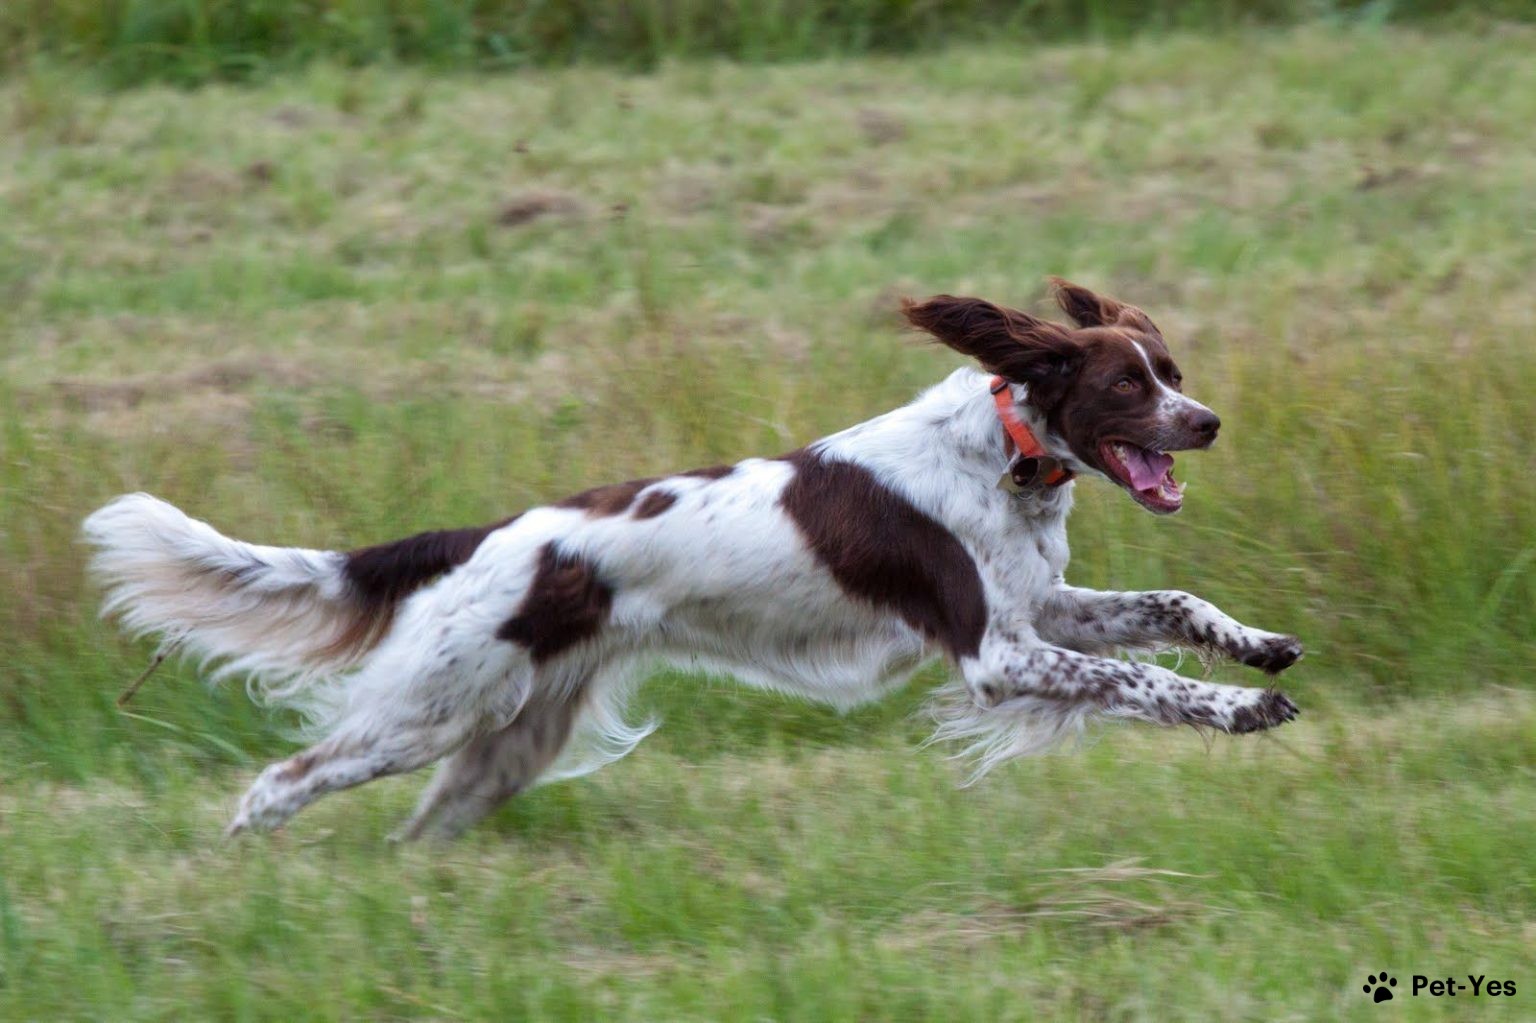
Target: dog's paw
{"points": [[1269, 709], [1274, 654], [267, 804]]}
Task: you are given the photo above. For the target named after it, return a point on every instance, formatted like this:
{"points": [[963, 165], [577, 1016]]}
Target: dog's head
{"points": [[1108, 391]]}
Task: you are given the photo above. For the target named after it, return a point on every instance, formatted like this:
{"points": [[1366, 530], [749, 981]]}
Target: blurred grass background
{"points": [[193, 41], [342, 304]]}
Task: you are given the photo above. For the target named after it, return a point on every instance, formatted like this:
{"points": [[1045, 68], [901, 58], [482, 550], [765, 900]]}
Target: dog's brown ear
{"points": [[1090, 309], [1010, 343]]}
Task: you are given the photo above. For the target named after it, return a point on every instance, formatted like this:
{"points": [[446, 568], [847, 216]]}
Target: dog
{"points": [[832, 573]]}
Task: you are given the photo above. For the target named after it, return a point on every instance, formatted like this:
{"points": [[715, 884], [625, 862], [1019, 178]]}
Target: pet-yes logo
{"points": [[1380, 986]]}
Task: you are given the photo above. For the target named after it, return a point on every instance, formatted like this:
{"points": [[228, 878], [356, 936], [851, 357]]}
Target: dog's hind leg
{"points": [[342, 761], [492, 768], [406, 710], [572, 724]]}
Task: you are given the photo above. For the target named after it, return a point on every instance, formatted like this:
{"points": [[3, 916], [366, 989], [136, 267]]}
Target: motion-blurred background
{"points": [[328, 272]]}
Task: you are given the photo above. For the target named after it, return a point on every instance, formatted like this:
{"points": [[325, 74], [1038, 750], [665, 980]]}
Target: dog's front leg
{"points": [[1051, 680], [1095, 621]]}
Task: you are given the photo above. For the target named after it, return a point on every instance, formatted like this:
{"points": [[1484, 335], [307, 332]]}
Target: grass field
{"points": [[345, 305], [127, 42]]}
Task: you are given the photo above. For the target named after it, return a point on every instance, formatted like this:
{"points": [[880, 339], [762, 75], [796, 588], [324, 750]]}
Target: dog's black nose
{"points": [[1205, 423]]}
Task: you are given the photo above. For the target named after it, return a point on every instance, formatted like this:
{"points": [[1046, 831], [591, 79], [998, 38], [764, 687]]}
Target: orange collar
{"points": [[1033, 465]]}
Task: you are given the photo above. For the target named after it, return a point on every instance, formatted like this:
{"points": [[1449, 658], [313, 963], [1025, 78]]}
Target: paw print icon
{"points": [[1382, 985]]}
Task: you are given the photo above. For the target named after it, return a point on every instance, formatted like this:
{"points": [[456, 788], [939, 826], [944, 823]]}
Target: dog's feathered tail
{"points": [[287, 617]]}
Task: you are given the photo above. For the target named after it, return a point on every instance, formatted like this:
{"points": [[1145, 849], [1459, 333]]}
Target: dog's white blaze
{"points": [[1170, 404]]}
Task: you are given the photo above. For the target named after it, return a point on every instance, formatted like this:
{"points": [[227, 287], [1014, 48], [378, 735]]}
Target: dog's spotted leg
{"points": [[1053, 681], [389, 728], [490, 769], [1092, 621], [346, 759]]}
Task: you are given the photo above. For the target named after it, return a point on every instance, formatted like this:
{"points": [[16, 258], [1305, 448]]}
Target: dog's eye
{"points": [[1178, 380], [1125, 385]]}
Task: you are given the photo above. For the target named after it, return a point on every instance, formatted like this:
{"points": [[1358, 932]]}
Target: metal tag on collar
{"points": [[1027, 475]]}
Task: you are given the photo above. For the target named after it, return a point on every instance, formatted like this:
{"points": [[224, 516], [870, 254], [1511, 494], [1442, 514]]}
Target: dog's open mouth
{"points": [[1147, 474]]}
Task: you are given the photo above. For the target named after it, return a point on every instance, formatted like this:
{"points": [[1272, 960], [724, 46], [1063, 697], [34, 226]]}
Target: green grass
{"points": [[345, 305], [192, 41], [1145, 878]]}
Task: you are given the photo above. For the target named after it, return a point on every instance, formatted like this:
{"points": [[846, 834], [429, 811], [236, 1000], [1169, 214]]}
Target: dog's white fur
{"points": [[723, 581]]}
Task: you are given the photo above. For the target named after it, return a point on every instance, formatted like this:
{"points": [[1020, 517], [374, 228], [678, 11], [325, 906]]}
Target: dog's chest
{"points": [[1023, 555], [1051, 543]]}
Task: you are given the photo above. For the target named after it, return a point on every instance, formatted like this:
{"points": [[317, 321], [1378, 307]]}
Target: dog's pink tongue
{"points": [[1147, 469]]}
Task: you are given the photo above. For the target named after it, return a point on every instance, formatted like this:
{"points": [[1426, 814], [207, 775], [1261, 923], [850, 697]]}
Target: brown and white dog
{"points": [[832, 573]]}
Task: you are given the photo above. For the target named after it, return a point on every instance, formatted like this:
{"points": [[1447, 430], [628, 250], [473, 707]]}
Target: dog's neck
{"points": [[945, 445]]}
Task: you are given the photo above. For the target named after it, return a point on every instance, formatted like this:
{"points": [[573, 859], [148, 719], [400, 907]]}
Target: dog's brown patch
{"points": [[654, 503], [379, 577], [566, 605], [612, 499], [711, 472], [883, 550]]}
